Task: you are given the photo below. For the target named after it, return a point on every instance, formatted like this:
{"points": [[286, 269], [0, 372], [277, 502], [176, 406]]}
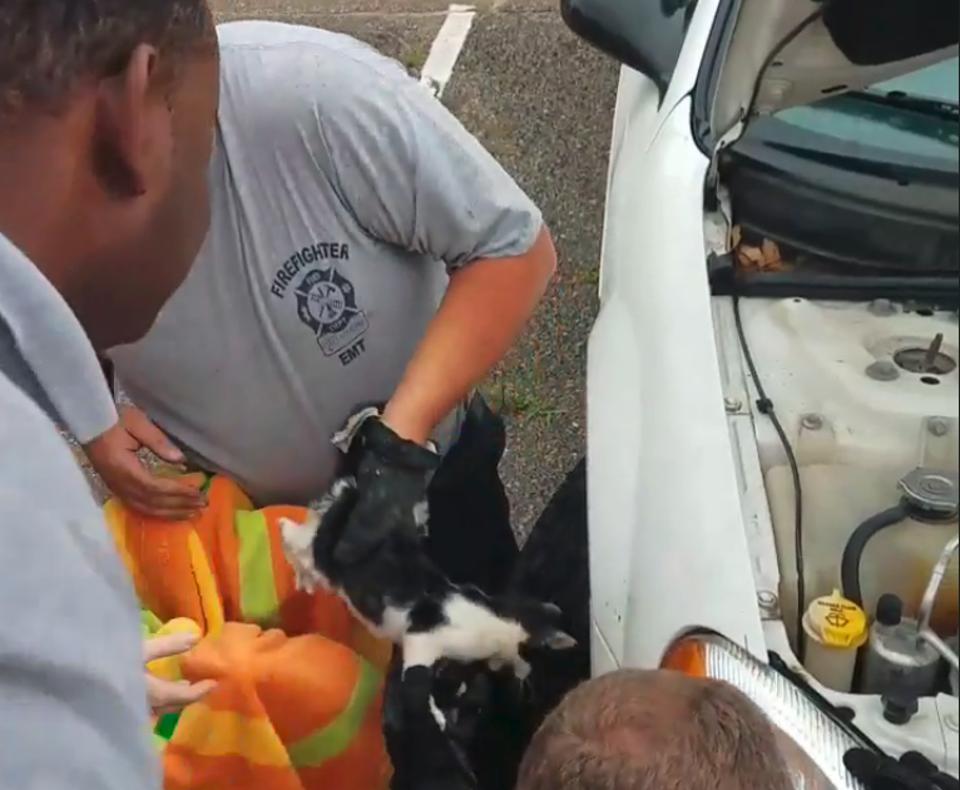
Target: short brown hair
{"points": [[634, 730], [48, 46]]}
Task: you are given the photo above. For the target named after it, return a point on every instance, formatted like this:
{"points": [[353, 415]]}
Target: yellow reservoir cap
{"points": [[837, 622]]}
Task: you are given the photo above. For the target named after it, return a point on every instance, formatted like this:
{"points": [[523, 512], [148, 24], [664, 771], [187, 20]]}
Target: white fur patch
{"points": [[421, 517], [297, 542], [437, 714], [297, 539], [395, 623], [299, 554], [521, 669], [472, 633]]}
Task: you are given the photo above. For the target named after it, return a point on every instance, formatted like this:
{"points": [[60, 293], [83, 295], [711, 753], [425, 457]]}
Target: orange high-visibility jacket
{"points": [[298, 702]]}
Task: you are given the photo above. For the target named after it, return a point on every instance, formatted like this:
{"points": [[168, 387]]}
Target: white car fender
{"points": [[668, 544]]}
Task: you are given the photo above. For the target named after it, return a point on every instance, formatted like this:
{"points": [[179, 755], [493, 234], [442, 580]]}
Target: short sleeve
{"points": [[414, 177]]}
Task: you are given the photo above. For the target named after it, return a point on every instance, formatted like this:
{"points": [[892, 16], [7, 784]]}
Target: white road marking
{"points": [[446, 48]]}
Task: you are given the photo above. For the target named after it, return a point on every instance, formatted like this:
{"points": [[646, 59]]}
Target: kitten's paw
{"points": [[421, 517], [297, 542], [420, 650], [521, 669]]}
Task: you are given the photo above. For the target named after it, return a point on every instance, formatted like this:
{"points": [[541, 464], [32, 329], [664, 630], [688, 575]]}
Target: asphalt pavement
{"points": [[542, 102]]}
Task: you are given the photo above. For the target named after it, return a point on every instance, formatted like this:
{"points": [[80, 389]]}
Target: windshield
{"points": [[861, 184], [911, 119]]}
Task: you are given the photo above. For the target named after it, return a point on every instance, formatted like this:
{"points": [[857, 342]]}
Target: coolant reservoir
{"points": [[836, 629], [898, 560]]}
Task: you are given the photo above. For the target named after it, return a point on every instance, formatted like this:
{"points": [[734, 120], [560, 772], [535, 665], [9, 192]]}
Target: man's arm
{"points": [[416, 179], [486, 306], [74, 705]]}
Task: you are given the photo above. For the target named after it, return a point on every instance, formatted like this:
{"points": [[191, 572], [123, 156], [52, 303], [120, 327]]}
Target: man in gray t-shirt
{"points": [[106, 119], [364, 248]]}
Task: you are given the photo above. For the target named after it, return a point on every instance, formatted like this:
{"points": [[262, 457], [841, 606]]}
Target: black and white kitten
{"points": [[401, 595]]}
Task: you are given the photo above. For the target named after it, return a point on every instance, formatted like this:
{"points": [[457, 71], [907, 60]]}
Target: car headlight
{"points": [[813, 744]]}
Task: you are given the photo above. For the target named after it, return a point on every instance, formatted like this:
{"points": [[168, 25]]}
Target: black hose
{"points": [[853, 553], [766, 406]]}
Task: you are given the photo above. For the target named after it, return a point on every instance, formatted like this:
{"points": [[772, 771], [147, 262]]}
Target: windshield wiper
{"points": [[938, 108]]}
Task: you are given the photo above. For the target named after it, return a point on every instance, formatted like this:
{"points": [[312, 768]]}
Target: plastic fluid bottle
{"points": [[836, 629]]}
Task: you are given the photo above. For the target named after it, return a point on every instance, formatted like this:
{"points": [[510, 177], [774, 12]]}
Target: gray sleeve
{"points": [[73, 712], [62, 370], [414, 177]]}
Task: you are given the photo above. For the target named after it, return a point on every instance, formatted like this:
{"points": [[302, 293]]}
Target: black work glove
{"points": [[429, 717], [392, 475], [911, 772]]}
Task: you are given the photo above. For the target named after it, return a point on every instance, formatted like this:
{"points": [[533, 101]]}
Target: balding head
{"points": [[636, 730]]}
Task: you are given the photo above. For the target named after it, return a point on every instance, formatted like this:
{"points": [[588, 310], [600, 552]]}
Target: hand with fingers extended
{"points": [[169, 696], [430, 718], [114, 456]]}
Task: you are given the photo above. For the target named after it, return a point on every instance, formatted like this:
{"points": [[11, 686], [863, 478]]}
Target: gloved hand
{"points": [[392, 475], [429, 717]]}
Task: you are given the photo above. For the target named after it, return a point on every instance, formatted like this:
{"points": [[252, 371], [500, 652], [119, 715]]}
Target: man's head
{"points": [[107, 116], [637, 730]]}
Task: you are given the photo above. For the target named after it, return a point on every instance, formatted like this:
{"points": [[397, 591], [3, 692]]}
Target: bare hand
{"points": [[114, 456], [168, 696]]}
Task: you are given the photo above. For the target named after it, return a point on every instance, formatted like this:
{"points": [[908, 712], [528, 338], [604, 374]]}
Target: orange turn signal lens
{"points": [[688, 656]]}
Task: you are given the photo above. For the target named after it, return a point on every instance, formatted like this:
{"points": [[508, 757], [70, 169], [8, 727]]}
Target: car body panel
{"points": [[662, 482]]}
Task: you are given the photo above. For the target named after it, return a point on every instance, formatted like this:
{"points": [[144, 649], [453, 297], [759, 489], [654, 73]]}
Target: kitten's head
{"points": [[542, 622], [308, 547]]}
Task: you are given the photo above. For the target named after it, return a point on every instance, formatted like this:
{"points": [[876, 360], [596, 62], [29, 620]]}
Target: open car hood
{"points": [[774, 54]]}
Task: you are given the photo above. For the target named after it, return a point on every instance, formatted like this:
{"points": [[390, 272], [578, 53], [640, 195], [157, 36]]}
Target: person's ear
{"points": [[133, 142]]}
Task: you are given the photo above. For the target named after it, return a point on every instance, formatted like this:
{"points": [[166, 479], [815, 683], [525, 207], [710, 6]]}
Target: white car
{"points": [[779, 292]]}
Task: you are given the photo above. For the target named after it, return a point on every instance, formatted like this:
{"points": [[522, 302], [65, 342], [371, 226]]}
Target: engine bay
{"points": [[843, 398], [871, 428]]}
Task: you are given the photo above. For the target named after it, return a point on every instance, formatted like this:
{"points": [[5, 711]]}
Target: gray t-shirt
{"points": [[73, 709], [343, 192], [45, 352]]}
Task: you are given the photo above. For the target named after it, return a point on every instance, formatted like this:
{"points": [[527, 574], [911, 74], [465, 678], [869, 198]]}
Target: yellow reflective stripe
{"points": [[258, 591], [159, 742], [334, 739], [222, 733], [210, 603], [114, 514], [149, 622]]}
